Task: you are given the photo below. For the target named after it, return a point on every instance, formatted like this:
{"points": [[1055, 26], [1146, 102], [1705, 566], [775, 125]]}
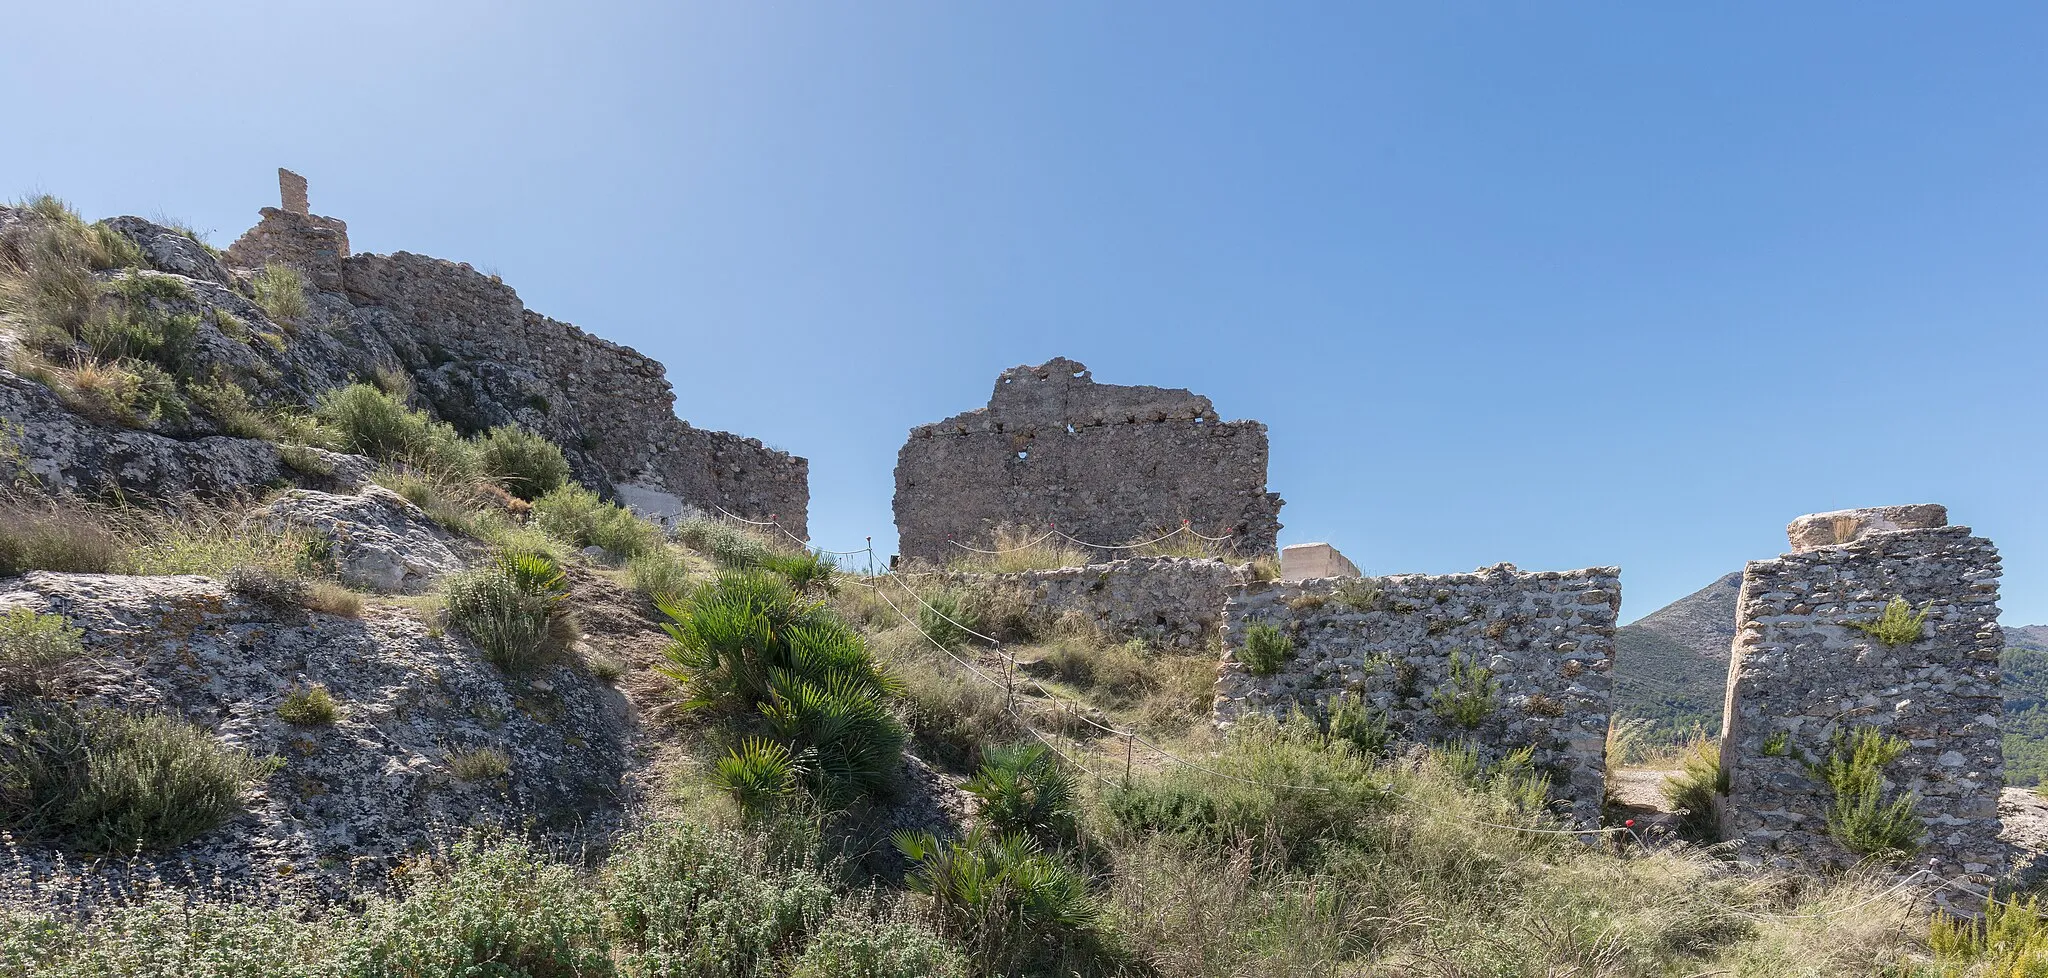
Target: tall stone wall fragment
{"points": [[1803, 672], [1106, 463], [1545, 641]]}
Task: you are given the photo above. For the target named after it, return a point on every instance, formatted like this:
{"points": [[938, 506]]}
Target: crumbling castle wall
{"points": [[1171, 602], [1545, 641], [1105, 463], [1802, 671], [482, 358], [294, 236]]}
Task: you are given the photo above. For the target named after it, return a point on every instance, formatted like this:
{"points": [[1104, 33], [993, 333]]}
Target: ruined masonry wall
{"points": [[1168, 601], [1547, 636], [1106, 463], [611, 408], [1798, 672]]}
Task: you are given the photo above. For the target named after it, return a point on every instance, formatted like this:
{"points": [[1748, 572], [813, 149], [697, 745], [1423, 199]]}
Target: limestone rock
{"points": [[381, 541], [71, 453], [169, 251], [1849, 525]]}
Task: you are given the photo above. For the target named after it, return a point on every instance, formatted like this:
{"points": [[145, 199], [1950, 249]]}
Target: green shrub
{"points": [[748, 646], [281, 290], [1266, 648], [733, 547], [1898, 625], [1468, 695], [758, 775], [708, 903], [859, 946], [46, 265], [492, 908], [480, 764], [528, 465], [1860, 817], [662, 574], [35, 651], [368, 421], [1359, 723], [806, 571], [953, 714], [103, 780], [947, 616], [1025, 788], [996, 890], [514, 611], [580, 518], [311, 706], [1695, 792]]}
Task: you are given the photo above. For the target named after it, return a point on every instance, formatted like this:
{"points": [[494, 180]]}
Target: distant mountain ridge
{"points": [[1671, 666]]}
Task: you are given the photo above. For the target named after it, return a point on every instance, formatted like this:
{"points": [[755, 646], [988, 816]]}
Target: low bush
{"points": [[866, 945], [662, 574], [580, 518], [480, 764], [46, 264], [104, 780], [493, 908], [310, 706], [1117, 673], [1695, 792], [1860, 817], [1899, 624], [733, 547], [709, 903], [758, 775], [1025, 788], [1009, 899], [36, 650], [806, 571], [280, 290], [748, 648], [513, 610], [1468, 695], [527, 465], [368, 421], [952, 714], [948, 617], [1265, 649]]}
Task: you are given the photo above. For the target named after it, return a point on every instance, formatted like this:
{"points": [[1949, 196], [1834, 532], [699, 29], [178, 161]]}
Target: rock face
{"points": [[69, 452], [1168, 601], [1105, 463], [1849, 525], [475, 354], [1545, 638], [1802, 672], [380, 541], [378, 781]]}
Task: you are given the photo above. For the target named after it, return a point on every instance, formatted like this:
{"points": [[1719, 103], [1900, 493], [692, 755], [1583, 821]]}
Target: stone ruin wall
{"points": [[1106, 463], [481, 359], [1798, 673], [1170, 602], [611, 408], [1547, 637], [293, 235]]}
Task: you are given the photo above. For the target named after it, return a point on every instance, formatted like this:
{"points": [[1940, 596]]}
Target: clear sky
{"points": [[1557, 284]]}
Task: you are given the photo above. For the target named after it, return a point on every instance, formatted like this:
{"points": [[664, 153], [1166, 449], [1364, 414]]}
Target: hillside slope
{"points": [[1672, 665]]}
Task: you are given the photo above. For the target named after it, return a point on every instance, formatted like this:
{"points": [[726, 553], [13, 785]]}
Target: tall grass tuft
{"points": [[1019, 549], [514, 611], [280, 290], [36, 651]]}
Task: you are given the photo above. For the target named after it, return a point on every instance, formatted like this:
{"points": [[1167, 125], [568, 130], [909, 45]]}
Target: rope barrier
{"points": [[806, 544], [1047, 535]]}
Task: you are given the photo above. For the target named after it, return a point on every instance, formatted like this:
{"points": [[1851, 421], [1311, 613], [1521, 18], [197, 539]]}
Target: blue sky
{"points": [[1558, 284]]}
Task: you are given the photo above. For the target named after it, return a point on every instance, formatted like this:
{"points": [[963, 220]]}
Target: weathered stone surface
{"points": [[1800, 673], [482, 359], [70, 453], [169, 251], [381, 542], [378, 782], [1169, 601], [1849, 525], [1305, 561], [1106, 463], [1546, 636]]}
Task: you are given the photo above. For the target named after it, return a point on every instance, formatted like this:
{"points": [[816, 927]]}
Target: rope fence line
{"points": [[806, 544], [1184, 527]]}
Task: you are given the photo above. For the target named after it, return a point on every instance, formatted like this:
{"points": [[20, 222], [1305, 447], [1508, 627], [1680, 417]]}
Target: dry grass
{"points": [[1021, 548]]}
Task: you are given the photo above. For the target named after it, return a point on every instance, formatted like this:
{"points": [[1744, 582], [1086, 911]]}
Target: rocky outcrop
{"points": [[381, 779], [67, 452], [378, 540]]}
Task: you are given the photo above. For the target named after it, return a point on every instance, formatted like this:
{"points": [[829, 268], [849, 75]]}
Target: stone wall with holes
{"points": [[1545, 639], [1106, 463], [481, 359], [1802, 670], [1170, 602]]}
